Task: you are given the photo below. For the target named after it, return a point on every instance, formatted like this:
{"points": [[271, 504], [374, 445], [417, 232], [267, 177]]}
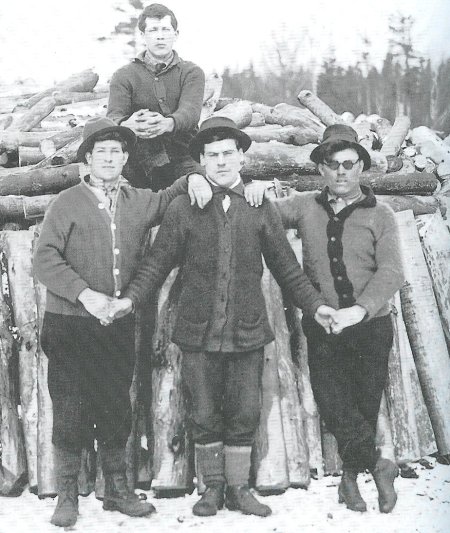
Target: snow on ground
{"points": [[423, 507]]}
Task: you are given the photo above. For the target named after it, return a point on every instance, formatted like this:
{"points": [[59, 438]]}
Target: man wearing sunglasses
{"points": [[351, 255]]}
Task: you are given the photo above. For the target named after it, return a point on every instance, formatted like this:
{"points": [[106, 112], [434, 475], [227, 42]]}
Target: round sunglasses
{"points": [[347, 164]]}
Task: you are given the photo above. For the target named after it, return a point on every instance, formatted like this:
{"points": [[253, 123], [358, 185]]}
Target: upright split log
{"points": [[285, 134], [83, 81], [332, 463], [17, 246], [319, 108], [435, 239], [412, 434], [291, 413], [394, 139], [240, 112], [13, 463], [172, 474], [424, 331], [383, 437], [270, 465], [311, 419]]}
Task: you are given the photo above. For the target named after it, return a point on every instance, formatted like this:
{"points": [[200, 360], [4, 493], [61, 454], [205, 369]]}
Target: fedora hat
{"points": [[213, 126], [97, 126], [335, 134]]}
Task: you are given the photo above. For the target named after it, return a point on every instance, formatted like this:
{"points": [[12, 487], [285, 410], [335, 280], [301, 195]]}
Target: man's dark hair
{"points": [[219, 136], [109, 136], [156, 11], [329, 149]]}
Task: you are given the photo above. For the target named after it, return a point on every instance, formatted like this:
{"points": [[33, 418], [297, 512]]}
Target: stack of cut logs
{"points": [[410, 170]]}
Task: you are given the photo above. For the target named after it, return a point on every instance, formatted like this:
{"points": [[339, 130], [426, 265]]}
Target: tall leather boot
{"points": [[238, 496], [384, 473], [349, 492], [118, 497], [67, 467], [211, 465]]}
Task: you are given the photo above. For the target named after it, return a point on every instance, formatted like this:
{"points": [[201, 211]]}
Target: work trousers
{"points": [[224, 395], [90, 369], [348, 374]]}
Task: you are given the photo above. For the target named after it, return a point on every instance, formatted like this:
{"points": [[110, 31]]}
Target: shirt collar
{"points": [[237, 187], [144, 58], [368, 200]]}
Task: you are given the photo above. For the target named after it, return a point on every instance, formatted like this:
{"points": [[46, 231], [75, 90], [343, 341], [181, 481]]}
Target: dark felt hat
{"points": [[213, 126], [98, 126], [337, 133]]}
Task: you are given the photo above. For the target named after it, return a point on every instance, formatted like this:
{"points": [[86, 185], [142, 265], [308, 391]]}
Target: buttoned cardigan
{"points": [[81, 246]]}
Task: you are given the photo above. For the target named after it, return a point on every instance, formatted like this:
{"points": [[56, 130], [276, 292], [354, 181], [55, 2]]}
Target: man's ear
{"points": [[126, 155], [241, 153], [361, 165], [202, 160], [88, 157]]}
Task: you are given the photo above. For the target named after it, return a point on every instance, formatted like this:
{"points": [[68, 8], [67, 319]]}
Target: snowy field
{"points": [[423, 507]]}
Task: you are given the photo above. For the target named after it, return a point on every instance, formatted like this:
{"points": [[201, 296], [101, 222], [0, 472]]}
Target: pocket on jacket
{"points": [[252, 334], [189, 333]]}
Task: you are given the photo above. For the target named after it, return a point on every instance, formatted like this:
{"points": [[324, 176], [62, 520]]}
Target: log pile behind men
{"points": [[39, 139]]}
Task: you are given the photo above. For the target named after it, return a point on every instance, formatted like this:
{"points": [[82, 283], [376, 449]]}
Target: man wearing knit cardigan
{"points": [[351, 254], [222, 325], [159, 96], [89, 248]]}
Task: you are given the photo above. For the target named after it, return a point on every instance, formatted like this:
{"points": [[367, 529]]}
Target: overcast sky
{"points": [[48, 40]]}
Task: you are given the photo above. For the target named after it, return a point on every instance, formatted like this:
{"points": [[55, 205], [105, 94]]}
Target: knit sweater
{"points": [[176, 92], [353, 254], [200, 241], [81, 246]]}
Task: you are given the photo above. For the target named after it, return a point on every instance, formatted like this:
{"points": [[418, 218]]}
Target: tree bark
{"points": [[17, 247], [420, 205], [394, 139], [289, 115], [83, 81], [11, 140], [35, 182], [30, 155], [270, 461], [34, 115], [285, 134], [13, 471], [319, 108], [172, 475], [291, 413], [51, 144], [424, 331], [240, 112], [28, 207], [435, 240]]}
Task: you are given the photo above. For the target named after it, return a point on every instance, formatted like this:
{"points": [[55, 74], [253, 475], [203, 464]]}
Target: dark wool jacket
{"points": [[190, 237], [176, 92]]}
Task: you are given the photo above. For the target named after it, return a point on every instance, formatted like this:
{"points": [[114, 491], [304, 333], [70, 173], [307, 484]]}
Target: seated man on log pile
{"points": [[351, 253], [222, 325], [89, 248], [159, 96]]}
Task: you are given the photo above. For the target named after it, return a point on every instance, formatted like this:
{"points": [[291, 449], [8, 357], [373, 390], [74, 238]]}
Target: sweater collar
{"points": [[141, 58], [369, 199]]}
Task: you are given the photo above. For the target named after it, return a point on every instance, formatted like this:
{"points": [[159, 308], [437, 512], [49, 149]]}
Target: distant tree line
{"points": [[406, 83]]}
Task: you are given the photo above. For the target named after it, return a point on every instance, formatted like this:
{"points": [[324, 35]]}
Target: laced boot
{"points": [[384, 473], [239, 498], [67, 468], [210, 502], [118, 497], [349, 492]]}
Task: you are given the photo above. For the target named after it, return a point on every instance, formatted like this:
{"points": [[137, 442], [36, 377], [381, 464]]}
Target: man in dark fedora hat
{"points": [[159, 96], [222, 325], [88, 250], [351, 254]]}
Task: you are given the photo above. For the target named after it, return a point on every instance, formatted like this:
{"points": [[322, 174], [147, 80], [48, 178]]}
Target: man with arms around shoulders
{"points": [[88, 250], [222, 325], [351, 254], [159, 96]]}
